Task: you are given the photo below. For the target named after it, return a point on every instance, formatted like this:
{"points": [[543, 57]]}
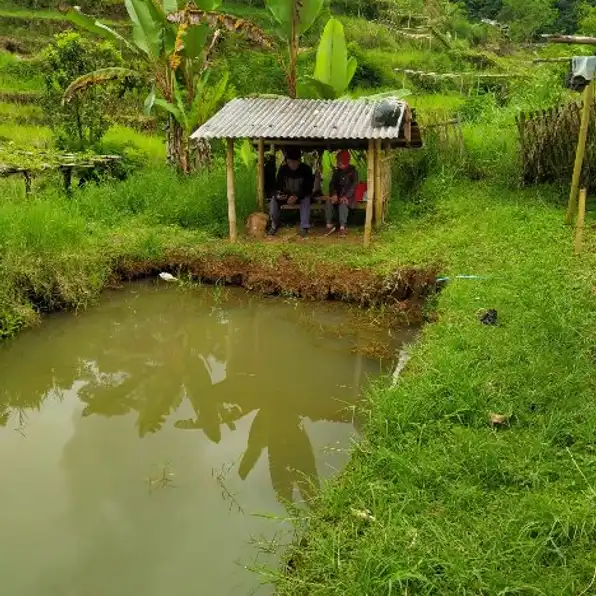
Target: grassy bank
{"points": [[461, 506]]}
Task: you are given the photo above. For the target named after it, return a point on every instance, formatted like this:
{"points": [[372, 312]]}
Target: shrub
{"points": [[82, 123]]}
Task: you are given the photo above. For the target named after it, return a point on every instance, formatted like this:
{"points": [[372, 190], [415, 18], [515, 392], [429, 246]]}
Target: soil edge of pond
{"points": [[402, 291]]}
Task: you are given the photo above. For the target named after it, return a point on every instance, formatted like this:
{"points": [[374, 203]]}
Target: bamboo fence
{"points": [[548, 143]]}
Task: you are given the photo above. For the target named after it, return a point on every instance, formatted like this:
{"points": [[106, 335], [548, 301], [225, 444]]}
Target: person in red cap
{"points": [[342, 193]]}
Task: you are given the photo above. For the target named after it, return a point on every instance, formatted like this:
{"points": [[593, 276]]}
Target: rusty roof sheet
{"points": [[285, 118]]}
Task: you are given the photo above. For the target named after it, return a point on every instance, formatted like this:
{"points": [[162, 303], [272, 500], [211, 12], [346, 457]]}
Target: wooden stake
{"points": [[579, 226], [231, 190], [581, 151], [27, 177], [378, 186], [370, 192], [261, 175]]}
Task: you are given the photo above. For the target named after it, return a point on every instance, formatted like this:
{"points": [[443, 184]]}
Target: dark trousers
{"points": [[275, 212]]}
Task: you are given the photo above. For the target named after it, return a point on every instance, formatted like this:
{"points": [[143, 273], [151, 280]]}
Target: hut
{"points": [[314, 125]]}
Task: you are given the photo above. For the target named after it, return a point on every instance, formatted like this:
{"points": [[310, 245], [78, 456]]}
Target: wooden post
{"points": [[378, 185], [27, 177], [231, 190], [408, 126], [579, 226], [370, 192], [581, 151], [67, 173], [261, 175]]}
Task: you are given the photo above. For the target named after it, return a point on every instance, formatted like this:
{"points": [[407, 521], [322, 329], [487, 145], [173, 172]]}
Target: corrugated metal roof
{"points": [[285, 118]]}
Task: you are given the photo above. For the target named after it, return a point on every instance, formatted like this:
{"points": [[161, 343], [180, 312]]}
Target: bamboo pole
{"points": [[231, 190], [370, 192], [261, 175], [581, 151], [579, 226], [572, 39], [378, 186]]}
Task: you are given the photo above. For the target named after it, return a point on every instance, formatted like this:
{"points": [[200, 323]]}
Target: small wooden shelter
{"points": [[314, 125]]}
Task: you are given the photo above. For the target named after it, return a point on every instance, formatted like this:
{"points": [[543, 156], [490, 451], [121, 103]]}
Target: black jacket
{"points": [[298, 183], [343, 184]]}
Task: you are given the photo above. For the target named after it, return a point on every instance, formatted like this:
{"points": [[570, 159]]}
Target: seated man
{"points": [[294, 185], [342, 193]]}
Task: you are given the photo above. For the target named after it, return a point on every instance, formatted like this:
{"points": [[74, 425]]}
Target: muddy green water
{"points": [[142, 441]]}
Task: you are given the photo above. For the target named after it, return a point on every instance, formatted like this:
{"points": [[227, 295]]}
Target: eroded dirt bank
{"points": [[403, 290]]}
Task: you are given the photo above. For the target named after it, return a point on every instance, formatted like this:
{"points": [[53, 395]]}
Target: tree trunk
{"points": [[293, 50], [200, 154], [170, 141], [177, 147]]}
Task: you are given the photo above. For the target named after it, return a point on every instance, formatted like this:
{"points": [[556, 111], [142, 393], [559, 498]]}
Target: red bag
{"points": [[361, 189]]}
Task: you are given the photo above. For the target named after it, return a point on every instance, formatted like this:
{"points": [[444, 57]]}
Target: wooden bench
{"points": [[319, 206]]}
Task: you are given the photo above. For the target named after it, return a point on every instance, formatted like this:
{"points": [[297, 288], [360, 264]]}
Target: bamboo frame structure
{"points": [[231, 189], [370, 192], [379, 162], [378, 187], [581, 150], [579, 226], [261, 174]]}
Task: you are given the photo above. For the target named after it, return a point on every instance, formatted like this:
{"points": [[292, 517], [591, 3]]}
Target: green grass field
{"points": [[462, 506]]}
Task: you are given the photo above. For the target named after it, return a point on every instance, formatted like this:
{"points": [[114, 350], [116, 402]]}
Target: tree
{"points": [[294, 18], [528, 18], [174, 48], [587, 19], [81, 123], [569, 15]]}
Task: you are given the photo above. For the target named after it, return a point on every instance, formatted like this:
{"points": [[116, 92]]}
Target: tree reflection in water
{"points": [[227, 362]]}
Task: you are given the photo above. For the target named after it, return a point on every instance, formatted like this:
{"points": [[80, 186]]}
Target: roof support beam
{"points": [[261, 174], [370, 192], [231, 190]]}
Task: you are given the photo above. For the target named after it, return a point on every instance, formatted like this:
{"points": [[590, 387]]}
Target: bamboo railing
{"points": [[548, 143]]}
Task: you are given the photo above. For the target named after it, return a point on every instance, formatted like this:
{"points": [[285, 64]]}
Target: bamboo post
{"points": [[27, 177], [370, 192], [581, 151], [579, 226], [231, 190], [261, 175], [378, 185]]}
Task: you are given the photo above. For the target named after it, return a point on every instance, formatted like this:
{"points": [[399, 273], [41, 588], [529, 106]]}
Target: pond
{"points": [[148, 445]]}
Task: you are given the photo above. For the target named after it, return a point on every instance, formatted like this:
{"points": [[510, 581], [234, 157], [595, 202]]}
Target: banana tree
{"points": [[334, 70], [174, 55], [294, 19]]}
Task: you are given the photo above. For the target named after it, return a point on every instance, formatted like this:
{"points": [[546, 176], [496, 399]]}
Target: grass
{"points": [[462, 507], [57, 252], [21, 112], [38, 136], [144, 147]]}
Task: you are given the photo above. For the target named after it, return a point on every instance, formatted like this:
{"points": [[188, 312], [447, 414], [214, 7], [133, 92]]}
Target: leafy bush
{"points": [[80, 124]]}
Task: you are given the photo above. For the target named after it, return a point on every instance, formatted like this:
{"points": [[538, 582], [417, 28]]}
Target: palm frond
{"points": [[98, 77], [195, 16]]}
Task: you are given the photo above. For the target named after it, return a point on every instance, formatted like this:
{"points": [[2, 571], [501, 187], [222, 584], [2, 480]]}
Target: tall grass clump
{"points": [[48, 260], [161, 197]]}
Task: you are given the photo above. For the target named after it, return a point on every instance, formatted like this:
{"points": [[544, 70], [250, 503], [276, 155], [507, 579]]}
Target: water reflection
{"points": [[222, 361]]}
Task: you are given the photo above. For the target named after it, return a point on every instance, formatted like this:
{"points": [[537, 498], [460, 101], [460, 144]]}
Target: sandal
{"points": [[343, 233], [331, 231]]}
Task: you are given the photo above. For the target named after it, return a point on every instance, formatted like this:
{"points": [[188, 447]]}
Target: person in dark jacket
{"points": [[342, 193], [294, 184]]}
